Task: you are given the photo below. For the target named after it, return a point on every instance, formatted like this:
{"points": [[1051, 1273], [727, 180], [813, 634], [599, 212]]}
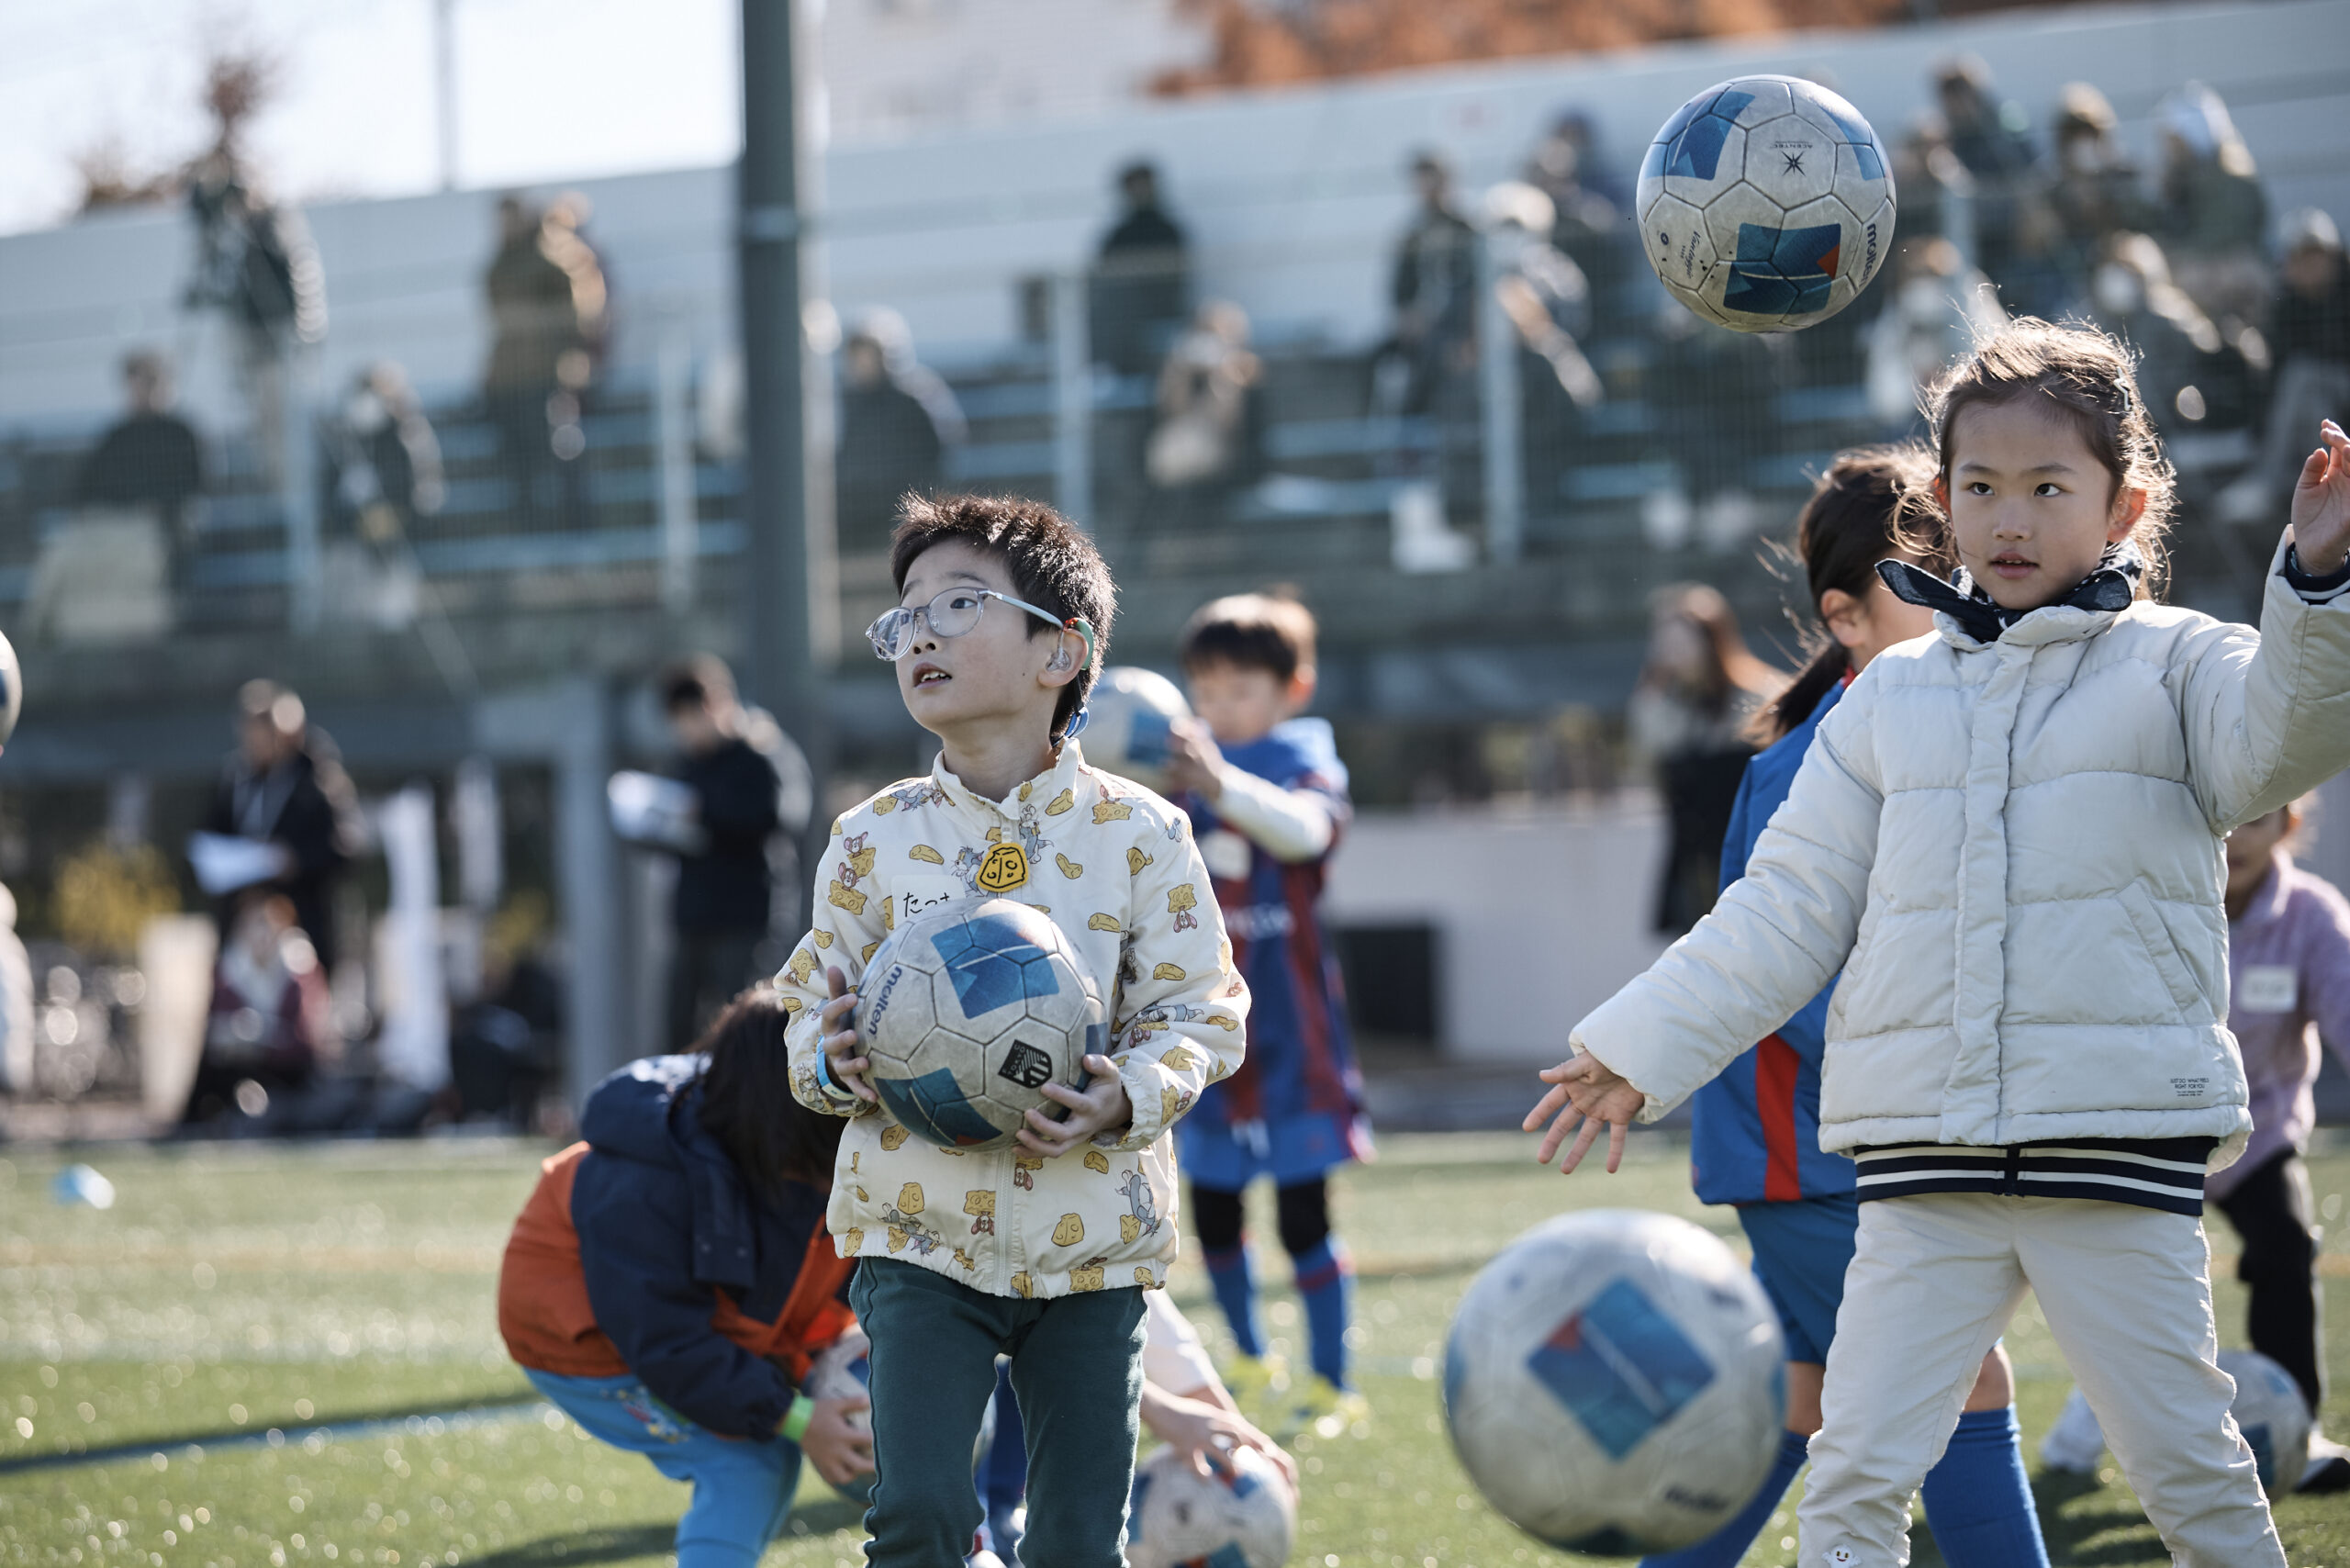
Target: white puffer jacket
{"points": [[2013, 851]]}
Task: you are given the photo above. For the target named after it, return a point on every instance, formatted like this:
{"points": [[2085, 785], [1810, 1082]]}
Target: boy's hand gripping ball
{"points": [[1765, 203]]}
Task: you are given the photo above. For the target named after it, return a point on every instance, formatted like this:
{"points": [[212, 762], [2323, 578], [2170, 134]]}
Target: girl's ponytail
{"points": [[1872, 503]]}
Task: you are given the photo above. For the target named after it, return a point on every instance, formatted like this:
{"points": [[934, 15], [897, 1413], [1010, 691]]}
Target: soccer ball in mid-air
{"points": [[1130, 713], [2273, 1416], [967, 1012], [1765, 203], [1242, 1516], [1614, 1382]]}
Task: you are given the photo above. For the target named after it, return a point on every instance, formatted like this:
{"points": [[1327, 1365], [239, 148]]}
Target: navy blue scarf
{"points": [[2110, 588]]}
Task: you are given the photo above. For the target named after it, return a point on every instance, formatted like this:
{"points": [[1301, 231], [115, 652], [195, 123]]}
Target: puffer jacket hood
{"points": [[648, 1111], [2011, 848]]}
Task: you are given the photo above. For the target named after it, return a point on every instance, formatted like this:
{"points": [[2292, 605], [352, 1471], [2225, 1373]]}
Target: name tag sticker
{"points": [[911, 895], [2269, 988]]}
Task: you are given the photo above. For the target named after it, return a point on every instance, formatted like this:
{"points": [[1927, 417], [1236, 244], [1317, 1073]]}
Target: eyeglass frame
{"points": [[920, 615]]}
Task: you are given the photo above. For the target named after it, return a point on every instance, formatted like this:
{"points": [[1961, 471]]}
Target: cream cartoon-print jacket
{"points": [[1115, 868]]}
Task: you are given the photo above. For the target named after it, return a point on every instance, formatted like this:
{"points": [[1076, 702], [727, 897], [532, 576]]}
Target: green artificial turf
{"points": [[236, 1290]]}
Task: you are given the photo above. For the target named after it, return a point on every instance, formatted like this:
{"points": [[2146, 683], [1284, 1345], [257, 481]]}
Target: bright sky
{"points": [[545, 89]]}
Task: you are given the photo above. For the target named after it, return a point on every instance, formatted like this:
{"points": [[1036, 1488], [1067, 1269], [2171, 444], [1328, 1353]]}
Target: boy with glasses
{"points": [[1041, 1251]]}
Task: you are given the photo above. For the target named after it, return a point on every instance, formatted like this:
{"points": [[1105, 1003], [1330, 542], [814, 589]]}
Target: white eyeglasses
{"points": [[953, 613]]}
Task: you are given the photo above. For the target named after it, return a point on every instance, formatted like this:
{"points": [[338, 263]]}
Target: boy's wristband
{"points": [[795, 1423]]}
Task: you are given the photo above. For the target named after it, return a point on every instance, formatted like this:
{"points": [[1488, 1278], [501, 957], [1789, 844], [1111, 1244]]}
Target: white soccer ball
{"points": [[2273, 1416], [1615, 1383], [840, 1370], [1129, 715], [1243, 1517], [966, 1013], [1765, 203]]}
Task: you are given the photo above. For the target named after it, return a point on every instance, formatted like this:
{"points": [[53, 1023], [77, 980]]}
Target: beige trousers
{"points": [[2127, 1294]]}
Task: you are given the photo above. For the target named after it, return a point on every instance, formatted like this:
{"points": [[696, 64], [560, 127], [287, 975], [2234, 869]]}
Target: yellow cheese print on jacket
{"points": [[1129, 883]]}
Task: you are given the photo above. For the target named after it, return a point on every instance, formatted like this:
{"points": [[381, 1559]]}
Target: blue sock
{"points": [[1979, 1501], [1326, 1278], [1726, 1545], [1236, 1292]]}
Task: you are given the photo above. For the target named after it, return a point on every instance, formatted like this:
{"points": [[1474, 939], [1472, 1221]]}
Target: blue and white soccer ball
{"points": [[1242, 1516], [967, 1012], [1130, 721], [841, 1369], [1615, 1383], [2272, 1415], [1765, 203]]}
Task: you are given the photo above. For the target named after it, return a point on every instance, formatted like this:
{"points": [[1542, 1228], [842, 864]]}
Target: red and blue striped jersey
{"points": [[1300, 1056], [1754, 1136]]}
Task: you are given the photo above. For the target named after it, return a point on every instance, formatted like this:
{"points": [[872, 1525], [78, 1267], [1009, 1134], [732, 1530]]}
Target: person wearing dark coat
{"points": [[750, 784], [1142, 284], [670, 1281], [285, 786], [150, 457], [899, 420]]}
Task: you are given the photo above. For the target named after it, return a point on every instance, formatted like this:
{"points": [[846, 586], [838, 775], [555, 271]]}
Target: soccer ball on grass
{"points": [[1614, 1382], [1242, 1516]]}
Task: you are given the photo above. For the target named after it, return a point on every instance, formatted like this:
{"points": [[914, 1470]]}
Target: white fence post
{"points": [[1502, 414]]}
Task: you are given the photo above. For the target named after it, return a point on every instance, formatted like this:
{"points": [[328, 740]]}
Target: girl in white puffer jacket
{"points": [[2009, 836]]}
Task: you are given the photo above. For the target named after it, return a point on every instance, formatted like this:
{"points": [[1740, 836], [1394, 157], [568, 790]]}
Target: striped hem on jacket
{"points": [[2150, 1173]]}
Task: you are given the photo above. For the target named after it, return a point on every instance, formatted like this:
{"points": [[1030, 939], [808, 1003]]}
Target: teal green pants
{"points": [[1077, 1372]]}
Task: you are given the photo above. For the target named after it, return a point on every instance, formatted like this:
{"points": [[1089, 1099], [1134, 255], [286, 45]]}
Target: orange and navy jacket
{"points": [[641, 1251], [1754, 1134]]}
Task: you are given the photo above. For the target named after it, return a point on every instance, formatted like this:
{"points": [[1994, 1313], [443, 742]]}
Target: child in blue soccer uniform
{"points": [[1754, 1136], [1268, 799]]}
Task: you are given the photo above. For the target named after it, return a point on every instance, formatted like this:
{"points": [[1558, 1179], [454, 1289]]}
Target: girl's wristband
{"points": [[795, 1423]]}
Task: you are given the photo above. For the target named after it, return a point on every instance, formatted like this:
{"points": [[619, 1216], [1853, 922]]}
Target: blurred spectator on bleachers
{"points": [[383, 467], [2193, 374], [284, 792], [1142, 284], [1206, 436], [751, 787], [899, 421], [1688, 715], [1433, 288], [256, 262], [1936, 309], [1715, 394], [503, 1047], [1588, 215], [1991, 139], [1546, 300], [2309, 334], [381, 473], [267, 1026], [149, 457], [2214, 213], [1542, 293], [547, 307], [2091, 192]]}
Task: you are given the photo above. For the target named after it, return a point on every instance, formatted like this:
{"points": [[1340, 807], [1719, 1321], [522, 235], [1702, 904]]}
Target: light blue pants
{"points": [[742, 1490]]}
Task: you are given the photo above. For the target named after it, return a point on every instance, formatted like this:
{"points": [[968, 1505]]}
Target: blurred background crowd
{"points": [[433, 507]]}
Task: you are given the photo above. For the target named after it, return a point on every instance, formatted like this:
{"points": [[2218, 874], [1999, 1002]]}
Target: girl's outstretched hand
{"points": [[1584, 1090], [2321, 505]]}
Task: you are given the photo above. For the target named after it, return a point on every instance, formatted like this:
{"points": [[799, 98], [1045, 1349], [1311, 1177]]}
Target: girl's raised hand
{"points": [[1584, 1090], [2321, 505]]}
